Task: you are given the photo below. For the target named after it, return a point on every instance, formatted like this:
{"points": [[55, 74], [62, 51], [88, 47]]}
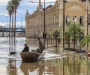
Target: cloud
{"points": [[4, 1], [4, 14], [35, 2], [21, 11], [3, 4], [43, 0], [3, 24], [18, 24]]}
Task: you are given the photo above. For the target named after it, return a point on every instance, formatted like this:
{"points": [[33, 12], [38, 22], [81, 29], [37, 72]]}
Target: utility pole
{"points": [[63, 23], [44, 32], [87, 24]]}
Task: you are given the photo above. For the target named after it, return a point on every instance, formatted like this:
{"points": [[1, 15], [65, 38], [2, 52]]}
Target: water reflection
{"points": [[11, 68], [32, 68], [75, 65]]}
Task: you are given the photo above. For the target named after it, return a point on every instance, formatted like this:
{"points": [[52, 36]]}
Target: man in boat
{"points": [[41, 46], [26, 48]]}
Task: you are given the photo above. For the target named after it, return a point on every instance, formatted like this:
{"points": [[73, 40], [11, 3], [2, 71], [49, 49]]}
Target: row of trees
{"points": [[73, 33], [12, 9]]}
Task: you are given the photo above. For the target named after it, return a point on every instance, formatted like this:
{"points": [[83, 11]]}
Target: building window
{"points": [[83, 0], [67, 19], [81, 20], [74, 19]]}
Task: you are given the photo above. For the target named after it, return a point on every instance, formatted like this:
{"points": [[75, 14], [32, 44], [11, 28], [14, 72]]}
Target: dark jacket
{"points": [[41, 47], [26, 49]]}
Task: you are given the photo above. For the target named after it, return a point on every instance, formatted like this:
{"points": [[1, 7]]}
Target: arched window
{"points": [[81, 20], [83, 0], [74, 19], [67, 19]]}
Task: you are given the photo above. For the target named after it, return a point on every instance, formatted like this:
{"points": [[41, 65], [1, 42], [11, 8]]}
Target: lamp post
{"points": [[63, 23], [44, 17], [87, 20], [87, 24], [44, 32]]}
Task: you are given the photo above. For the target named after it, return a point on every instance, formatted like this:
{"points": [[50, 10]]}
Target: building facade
{"points": [[57, 15]]}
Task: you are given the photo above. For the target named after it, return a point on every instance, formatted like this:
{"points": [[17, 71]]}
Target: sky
{"points": [[21, 11]]}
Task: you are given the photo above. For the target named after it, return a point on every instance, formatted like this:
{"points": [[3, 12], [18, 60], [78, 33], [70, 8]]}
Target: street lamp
{"points": [[63, 23]]}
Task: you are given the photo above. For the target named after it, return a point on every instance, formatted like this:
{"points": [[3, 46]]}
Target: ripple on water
{"points": [[50, 56]]}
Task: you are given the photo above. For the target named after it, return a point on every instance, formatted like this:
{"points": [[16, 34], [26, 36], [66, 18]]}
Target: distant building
{"points": [[4, 32], [75, 10]]}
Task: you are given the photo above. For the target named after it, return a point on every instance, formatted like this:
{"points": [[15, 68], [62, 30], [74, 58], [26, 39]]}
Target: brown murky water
{"points": [[70, 63], [73, 64]]}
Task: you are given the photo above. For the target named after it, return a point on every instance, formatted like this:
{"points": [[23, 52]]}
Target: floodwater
{"points": [[54, 62]]}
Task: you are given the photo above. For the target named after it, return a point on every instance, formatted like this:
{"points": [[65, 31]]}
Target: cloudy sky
{"points": [[21, 11]]}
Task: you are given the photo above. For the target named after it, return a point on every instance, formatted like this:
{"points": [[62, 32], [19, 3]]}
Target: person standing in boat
{"points": [[26, 48], [41, 46]]}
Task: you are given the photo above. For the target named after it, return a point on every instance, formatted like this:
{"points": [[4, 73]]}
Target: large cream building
{"points": [[74, 10]]}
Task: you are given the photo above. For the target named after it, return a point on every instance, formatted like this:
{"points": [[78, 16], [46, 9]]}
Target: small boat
{"points": [[31, 56]]}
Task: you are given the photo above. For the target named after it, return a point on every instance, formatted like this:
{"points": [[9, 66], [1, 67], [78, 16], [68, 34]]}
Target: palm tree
{"points": [[12, 7], [10, 12], [15, 4]]}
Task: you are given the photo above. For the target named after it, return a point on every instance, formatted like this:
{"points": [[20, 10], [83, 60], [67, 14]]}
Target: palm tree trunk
{"points": [[9, 28], [12, 30], [15, 28]]}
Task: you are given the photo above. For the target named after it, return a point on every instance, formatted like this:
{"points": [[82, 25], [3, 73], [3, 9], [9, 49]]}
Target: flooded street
{"points": [[54, 63]]}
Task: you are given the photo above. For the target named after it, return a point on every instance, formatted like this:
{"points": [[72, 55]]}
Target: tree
{"points": [[10, 12], [67, 38], [15, 4], [75, 32], [56, 34], [12, 7], [85, 41]]}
